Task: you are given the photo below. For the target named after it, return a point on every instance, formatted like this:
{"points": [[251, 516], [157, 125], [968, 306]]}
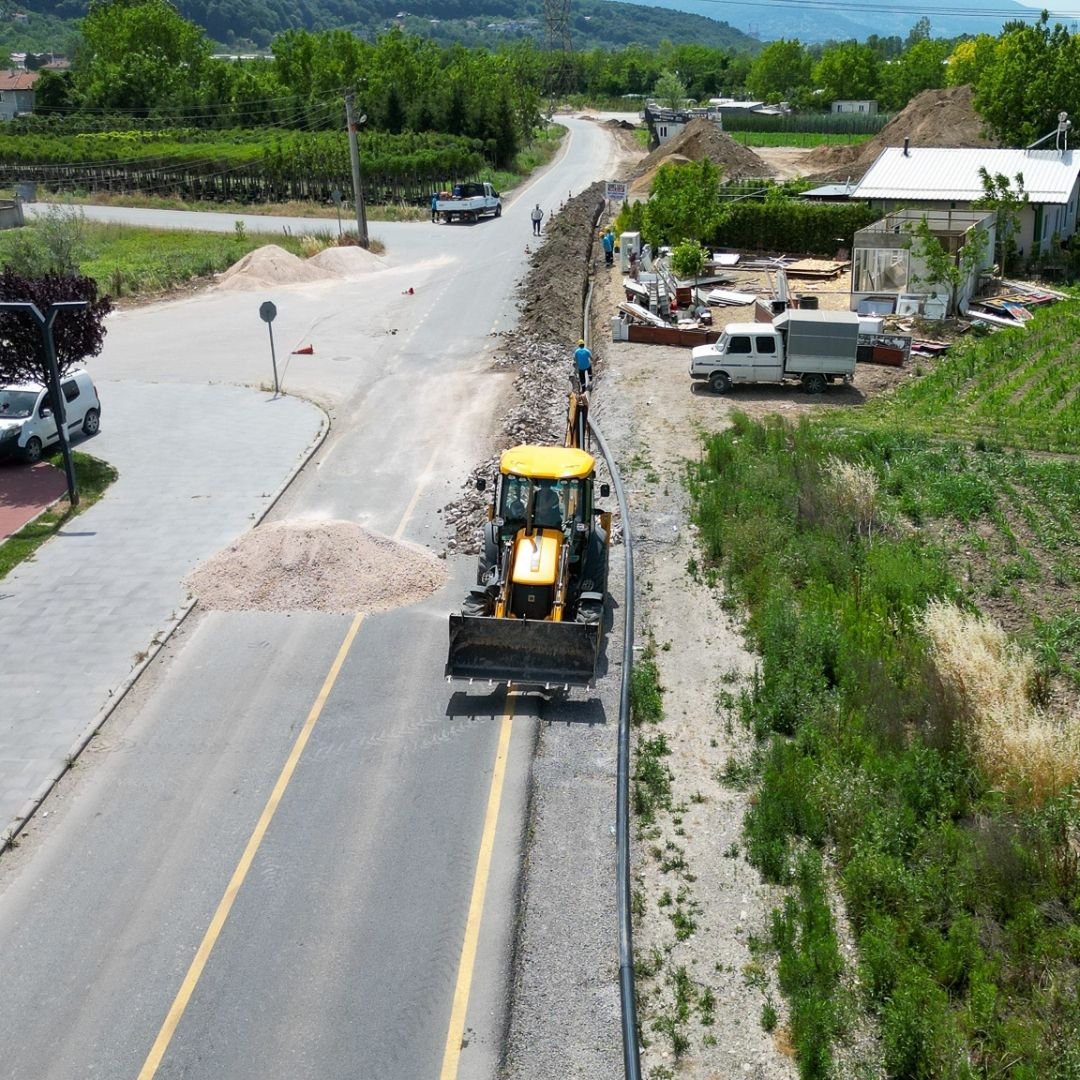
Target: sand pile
{"points": [[267, 266], [703, 139], [932, 118], [315, 565], [348, 261]]}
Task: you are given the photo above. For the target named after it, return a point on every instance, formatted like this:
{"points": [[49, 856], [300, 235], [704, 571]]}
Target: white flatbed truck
{"points": [[469, 202]]}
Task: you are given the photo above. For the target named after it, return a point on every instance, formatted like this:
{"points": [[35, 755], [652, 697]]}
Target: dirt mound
{"points": [[702, 139], [267, 266], [315, 566], [346, 261], [932, 118]]}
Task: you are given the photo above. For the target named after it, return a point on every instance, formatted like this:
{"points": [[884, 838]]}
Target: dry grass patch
{"points": [[1027, 753]]}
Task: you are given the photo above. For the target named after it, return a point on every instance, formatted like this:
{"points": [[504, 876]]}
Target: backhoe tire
{"points": [[719, 382]]}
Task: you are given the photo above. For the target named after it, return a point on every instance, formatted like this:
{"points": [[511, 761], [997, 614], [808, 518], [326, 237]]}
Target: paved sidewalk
{"points": [[26, 490], [198, 465]]}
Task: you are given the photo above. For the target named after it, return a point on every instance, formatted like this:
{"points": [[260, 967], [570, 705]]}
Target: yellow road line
{"points": [[213, 931], [416, 494], [452, 1052]]}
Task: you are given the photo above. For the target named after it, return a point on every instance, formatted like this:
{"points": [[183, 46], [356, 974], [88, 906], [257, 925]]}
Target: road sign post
{"points": [[268, 312]]}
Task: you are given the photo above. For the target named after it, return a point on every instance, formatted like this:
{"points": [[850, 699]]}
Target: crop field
{"points": [[909, 571], [1020, 388], [797, 138]]}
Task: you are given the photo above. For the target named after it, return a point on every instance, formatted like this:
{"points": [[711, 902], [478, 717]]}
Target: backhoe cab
{"points": [[536, 614]]}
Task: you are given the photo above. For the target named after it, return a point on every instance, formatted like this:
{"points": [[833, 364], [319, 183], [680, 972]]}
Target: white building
{"points": [[936, 178], [854, 107]]}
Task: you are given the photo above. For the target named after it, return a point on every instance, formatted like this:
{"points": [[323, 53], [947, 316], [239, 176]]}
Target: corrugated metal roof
{"points": [[946, 174], [17, 80]]}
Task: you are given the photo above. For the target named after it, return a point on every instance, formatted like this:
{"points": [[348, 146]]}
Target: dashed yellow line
{"points": [[452, 1051]]}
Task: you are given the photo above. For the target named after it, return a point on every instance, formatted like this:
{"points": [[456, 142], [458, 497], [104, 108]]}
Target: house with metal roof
{"points": [[16, 93], [937, 178]]}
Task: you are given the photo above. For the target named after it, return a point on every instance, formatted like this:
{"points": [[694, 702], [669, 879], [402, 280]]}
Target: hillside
{"points": [[815, 24], [594, 23]]}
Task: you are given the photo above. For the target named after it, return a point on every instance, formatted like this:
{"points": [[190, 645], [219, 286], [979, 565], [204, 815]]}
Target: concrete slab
{"points": [[198, 464]]}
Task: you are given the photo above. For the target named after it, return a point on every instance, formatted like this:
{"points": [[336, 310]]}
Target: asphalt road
{"points": [[158, 922]]}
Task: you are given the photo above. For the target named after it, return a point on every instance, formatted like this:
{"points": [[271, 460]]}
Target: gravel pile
{"points": [[334, 566], [541, 351]]}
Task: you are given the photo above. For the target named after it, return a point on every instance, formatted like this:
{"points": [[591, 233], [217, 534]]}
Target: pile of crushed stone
{"points": [[932, 118], [702, 139], [267, 266], [541, 351], [346, 261], [334, 566], [271, 265]]}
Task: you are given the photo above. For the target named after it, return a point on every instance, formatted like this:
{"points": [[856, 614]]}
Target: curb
{"points": [[158, 642]]}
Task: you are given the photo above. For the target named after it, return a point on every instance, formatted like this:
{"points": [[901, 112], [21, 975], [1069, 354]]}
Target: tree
{"points": [[52, 245], [683, 203], [688, 260], [76, 334], [670, 91], [921, 67], [139, 55], [1006, 203], [945, 272], [967, 61], [848, 70], [780, 69]]}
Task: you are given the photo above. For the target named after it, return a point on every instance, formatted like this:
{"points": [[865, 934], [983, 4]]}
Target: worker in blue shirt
{"points": [[434, 206], [608, 240], [583, 364]]}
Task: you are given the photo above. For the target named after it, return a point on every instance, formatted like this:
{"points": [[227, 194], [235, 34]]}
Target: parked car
{"points": [[27, 425]]}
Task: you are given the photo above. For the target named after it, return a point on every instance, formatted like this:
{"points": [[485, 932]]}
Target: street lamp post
{"points": [[45, 325]]}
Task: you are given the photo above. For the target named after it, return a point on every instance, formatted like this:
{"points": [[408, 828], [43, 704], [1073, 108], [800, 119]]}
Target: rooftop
{"points": [[952, 175]]}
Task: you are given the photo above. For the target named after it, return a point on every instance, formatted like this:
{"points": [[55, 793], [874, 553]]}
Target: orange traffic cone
{"points": [[306, 350]]}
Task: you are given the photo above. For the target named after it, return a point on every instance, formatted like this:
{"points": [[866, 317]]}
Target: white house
{"points": [[938, 178], [865, 107]]}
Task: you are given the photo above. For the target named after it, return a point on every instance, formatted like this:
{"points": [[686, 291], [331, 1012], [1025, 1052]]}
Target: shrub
{"points": [[990, 679]]}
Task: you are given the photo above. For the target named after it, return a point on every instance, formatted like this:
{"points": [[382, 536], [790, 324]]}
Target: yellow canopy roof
{"points": [[547, 463]]}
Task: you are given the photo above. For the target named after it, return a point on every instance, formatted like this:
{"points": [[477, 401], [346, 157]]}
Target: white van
{"points": [[27, 425]]}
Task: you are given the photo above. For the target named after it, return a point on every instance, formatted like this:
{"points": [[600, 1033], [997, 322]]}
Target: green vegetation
{"points": [[129, 261], [795, 138], [899, 730], [1010, 389], [92, 477], [688, 202]]}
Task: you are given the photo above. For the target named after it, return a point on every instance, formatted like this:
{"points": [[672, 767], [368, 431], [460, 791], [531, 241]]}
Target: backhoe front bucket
{"points": [[523, 650]]}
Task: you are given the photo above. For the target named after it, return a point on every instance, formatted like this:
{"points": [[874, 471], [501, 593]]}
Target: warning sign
{"points": [[616, 189]]}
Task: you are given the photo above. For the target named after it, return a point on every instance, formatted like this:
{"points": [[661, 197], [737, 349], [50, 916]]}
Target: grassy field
{"points": [[796, 138], [92, 477], [129, 261], [909, 750]]}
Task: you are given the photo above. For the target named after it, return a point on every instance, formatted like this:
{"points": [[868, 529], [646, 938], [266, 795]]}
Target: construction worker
{"points": [[608, 240], [583, 365]]}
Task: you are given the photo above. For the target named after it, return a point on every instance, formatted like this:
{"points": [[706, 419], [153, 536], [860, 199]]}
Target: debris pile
{"points": [[541, 350], [932, 118], [335, 566]]}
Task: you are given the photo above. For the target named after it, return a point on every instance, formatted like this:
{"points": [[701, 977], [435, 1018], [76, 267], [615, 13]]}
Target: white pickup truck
{"points": [[469, 202], [813, 346]]}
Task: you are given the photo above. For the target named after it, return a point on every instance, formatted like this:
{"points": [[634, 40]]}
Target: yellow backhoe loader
{"points": [[536, 614]]}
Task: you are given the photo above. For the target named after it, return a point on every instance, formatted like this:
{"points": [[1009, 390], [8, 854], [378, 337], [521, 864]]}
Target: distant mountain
{"points": [[593, 23], [814, 24]]}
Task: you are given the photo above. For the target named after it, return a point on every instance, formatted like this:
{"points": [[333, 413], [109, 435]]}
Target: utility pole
{"points": [[56, 398], [354, 154]]}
